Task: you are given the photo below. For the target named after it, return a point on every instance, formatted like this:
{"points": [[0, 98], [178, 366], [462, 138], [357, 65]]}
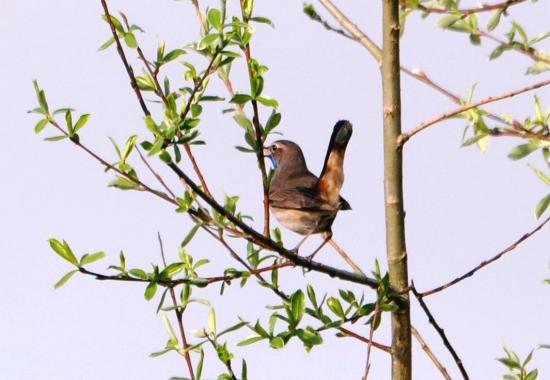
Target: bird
{"points": [[303, 202]]}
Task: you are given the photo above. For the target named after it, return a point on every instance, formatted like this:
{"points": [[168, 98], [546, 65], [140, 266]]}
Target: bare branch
{"points": [[441, 333], [483, 264], [430, 353]]}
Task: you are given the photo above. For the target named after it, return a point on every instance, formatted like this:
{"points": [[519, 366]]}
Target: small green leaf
{"points": [[130, 40], [240, 99], [190, 235], [297, 306], [521, 151], [494, 19], [336, 307], [250, 340], [268, 102], [215, 18], [277, 342], [123, 183], [138, 273], [64, 279], [542, 176], [150, 291], [83, 119], [447, 21], [106, 44], [91, 257], [40, 126], [63, 250], [207, 40], [542, 206], [212, 321], [172, 270]]}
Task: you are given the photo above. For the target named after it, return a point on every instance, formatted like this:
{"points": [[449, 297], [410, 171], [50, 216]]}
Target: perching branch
{"points": [[441, 333], [491, 99], [483, 264], [504, 5], [266, 242]]}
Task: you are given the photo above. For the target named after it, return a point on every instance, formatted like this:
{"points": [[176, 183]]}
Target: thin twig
{"points": [[373, 321], [430, 353], [376, 53], [258, 132], [491, 99], [504, 5], [441, 333], [179, 316], [155, 174], [531, 52], [226, 363], [122, 55], [483, 264], [345, 256]]}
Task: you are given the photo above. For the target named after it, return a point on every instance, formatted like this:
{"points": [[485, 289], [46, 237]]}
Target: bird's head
{"points": [[282, 152]]}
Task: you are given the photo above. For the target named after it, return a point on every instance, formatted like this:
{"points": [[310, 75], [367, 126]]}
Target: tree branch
{"points": [[441, 333], [430, 353], [491, 99], [266, 242], [483, 264], [504, 5], [179, 317]]}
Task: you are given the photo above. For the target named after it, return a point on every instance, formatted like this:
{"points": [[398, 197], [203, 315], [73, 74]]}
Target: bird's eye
{"points": [[274, 147]]}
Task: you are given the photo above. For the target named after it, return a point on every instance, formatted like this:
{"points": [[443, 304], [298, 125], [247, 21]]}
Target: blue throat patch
{"points": [[273, 161]]}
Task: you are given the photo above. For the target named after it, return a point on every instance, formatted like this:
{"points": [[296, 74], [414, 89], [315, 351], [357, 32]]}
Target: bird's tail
{"points": [[332, 176]]}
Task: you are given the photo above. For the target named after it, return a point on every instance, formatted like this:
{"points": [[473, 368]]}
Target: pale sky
{"points": [[462, 206]]}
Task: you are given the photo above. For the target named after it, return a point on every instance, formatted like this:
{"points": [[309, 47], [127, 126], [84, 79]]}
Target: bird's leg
{"points": [[345, 256], [295, 249], [327, 236]]}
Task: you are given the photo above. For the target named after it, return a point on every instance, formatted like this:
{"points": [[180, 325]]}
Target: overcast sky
{"points": [[462, 206]]}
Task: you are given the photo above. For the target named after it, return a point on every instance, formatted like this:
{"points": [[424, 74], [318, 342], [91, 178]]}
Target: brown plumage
{"points": [[299, 200]]}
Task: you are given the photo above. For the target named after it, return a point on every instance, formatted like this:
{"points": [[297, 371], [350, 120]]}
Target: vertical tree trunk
{"points": [[393, 190]]}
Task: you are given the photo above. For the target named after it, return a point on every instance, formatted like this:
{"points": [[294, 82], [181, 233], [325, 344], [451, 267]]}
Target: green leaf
{"points": [[310, 337], [138, 273], [63, 250], [116, 23], [272, 123], [262, 20], [522, 151], [207, 40], [538, 67], [106, 44], [541, 207], [336, 307], [250, 340], [173, 55], [150, 291], [55, 138], [240, 99], [268, 102], [297, 306], [123, 183], [532, 375], [83, 119], [64, 279], [212, 321], [40, 126], [542, 176], [165, 156], [244, 122], [494, 19], [130, 40], [91, 257], [277, 342], [215, 18], [190, 235], [447, 21], [172, 270]]}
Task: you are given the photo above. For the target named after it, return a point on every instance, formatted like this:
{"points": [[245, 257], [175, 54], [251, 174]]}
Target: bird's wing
{"points": [[302, 198]]}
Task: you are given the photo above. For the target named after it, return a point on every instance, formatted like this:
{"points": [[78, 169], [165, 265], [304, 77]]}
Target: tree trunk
{"points": [[393, 190]]}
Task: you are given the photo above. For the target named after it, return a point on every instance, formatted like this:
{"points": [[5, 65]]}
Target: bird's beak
{"points": [[269, 154]]}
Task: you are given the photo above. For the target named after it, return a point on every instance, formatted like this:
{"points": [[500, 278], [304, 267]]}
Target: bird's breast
{"points": [[304, 222]]}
